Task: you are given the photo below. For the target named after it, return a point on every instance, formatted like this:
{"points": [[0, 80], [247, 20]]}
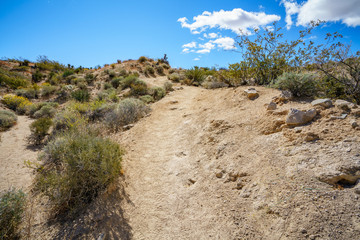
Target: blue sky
{"points": [[92, 32]]}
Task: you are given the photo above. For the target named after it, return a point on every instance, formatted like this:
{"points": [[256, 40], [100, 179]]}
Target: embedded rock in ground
{"points": [[354, 124], [285, 96], [344, 105], [347, 174], [251, 93], [326, 103], [271, 106], [309, 137], [297, 117]]}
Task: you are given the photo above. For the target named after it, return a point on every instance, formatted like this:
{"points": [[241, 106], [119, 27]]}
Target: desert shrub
{"points": [[29, 93], [81, 95], [12, 205], [107, 86], [213, 84], [127, 111], [43, 63], [111, 74], [159, 70], [147, 99], [175, 77], [165, 66], [112, 65], [122, 72], [12, 80], [168, 86], [126, 82], [116, 82], [16, 103], [39, 129], [138, 87], [90, 78], [89, 164], [149, 70], [47, 90], [7, 119], [46, 111], [157, 93], [299, 84], [37, 76], [171, 70], [142, 59], [68, 119], [68, 72], [195, 76], [35, 107]]}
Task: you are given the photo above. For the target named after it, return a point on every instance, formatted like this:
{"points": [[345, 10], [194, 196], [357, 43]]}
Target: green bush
{"points": [[157, 93], [90, 78], [68, 72], [7, 119], [116, 82], [12, 80], [126, 82], [46, 111], [165, 66], [68, 119], [39, 129], [89, 164], [195, 75], [168, 86], [12, 205], [112, 74], [29, 93], [81, 95], [159, 70], [127, 111], [175, 77], [16, 103], [47, 91], [138, 88], [37, 76], [142, 59], [33, 108], [149, 70], [299, 84], [147, 99]]}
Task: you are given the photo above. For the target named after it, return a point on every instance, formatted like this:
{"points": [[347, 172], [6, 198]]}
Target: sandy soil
{"points": [[15, 152]]}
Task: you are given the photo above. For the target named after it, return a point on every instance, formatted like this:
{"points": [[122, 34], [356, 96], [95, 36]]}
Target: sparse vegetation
{"points": [[12, 80], [157, 93], [16, 103], [7, 119], [12, 205], [39, 129], [81, 95], [142, 59], [299, 84], [195, 76]]}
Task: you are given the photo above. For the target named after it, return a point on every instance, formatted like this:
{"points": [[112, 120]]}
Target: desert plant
{"points": [[37, 76], [48, 90], [7, 119], [299, 84], [29, 93], [142, 59], [127, 111], [16, 103], [157, 93], [39, 129], [138, 87], [159, 70], [126, 82], [35, 107], [89, 77], [195, 75], [81, 95], [116, 82], [68, 72], [175, 77], [147, 99], [168, 86], [149, 70], [165, 66], [68, 119], [46, 111], [12, 205], [89, 164], [12, 80]]}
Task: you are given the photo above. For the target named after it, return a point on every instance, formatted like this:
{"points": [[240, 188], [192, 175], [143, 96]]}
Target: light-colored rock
{"points": [[271, 106], [297, 117], [285, 96], [325, 102], [298, 129], [127, 127], [251, 93], [342, 116], [344, 105]]}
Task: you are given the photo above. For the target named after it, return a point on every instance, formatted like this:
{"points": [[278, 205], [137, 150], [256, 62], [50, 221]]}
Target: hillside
{"points": [[214, 164]]}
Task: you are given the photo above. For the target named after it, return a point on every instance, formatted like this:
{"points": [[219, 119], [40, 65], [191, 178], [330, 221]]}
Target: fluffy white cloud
{"points": [[346, 11], [190, 45], [236, 20], [196, 59], [226, 43], [206, 48], [211, 35]]}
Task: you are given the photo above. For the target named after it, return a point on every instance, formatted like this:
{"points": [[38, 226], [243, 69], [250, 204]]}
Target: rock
{"points": [[285, 96], [343, 116], [298, 129], [192, 181], [297, 117], [271, 106], [127, 127], [354, 124], [309, 137], [219, 174], [251, 93], [174, 102], [357, 189], [344, 105], [356, 113], [326, 103], [239, 185]]}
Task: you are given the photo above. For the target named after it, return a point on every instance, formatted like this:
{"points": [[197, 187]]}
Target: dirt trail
{"points": [[14, 152]]}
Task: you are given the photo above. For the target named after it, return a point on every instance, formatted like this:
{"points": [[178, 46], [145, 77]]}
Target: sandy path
{"points": [[13, 154]]}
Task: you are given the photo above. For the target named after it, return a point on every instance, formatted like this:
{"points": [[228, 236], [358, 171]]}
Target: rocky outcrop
{"points": [[344, 105], [326, 103], [251, 93], [297, 117]]}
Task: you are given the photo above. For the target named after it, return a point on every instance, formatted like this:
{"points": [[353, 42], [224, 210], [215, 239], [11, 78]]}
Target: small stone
{"points": [[298, 117], [219, 174], [251, 93], [326, 103], [271, 106], [174, 102], [354, 124], [192, 181], [239, 186], [298, 129], [127, 127], [343, 116], [311, 137]]}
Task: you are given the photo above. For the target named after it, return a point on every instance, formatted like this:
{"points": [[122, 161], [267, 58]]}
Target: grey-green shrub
{"points": [[47, 91], [127, 111], [7, 119], [299, 84], [35, 107], [159, 70], [89, 164], [12, 205], [147, 99], [47, 111], [29, 93], [68, 119], [168, 86], [39, 129], [175, 77], [157, 93]]}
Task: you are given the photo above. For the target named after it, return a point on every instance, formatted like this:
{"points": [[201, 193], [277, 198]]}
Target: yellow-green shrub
{"points": [[16, 103]]}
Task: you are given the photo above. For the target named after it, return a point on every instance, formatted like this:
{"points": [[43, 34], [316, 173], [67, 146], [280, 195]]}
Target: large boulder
{"points": [[251, 93], [297, 117], [325, 102]]}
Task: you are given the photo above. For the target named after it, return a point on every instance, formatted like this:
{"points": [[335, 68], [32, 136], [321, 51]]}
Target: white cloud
{"points": [[211, 35], [226, 43], [236, 20], [190, 45], [346, 11], [196, 59], [206, 48]]}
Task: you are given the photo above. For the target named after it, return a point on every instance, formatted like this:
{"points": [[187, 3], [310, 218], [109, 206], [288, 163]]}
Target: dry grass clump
{"points": [[7, 119], [78, 166], [12, 204]]}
